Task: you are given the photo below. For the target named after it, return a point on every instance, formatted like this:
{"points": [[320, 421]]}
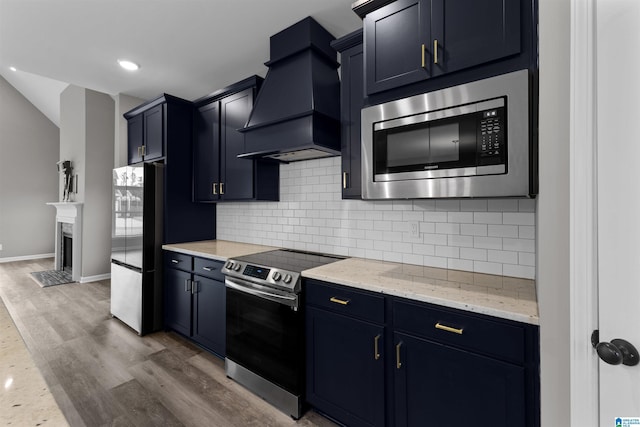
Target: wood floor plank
{"points": [[102, 373], [144, 409]]}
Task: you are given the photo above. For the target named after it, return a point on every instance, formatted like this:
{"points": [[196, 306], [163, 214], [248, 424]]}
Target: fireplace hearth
{"points": [[68, 238]]}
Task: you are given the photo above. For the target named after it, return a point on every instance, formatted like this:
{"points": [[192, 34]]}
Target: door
{"points": [[618, 194], [236, 175], [396, 38], [437, 385], [177, 300], [206, 153], [465, 33], [153, 133], [209, 313], [345, 372]]}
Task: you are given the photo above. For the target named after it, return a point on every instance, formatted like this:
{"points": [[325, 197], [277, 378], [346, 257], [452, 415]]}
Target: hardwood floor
{"points": [[101, 373]]}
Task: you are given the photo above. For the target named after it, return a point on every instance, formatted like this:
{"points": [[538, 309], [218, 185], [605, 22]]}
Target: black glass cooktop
{"points": [[289, 259]]}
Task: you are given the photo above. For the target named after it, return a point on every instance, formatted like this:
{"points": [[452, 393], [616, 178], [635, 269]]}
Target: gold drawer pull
{"points": [[376, 353], [449, 328], [423, 47], [344, 180], [221, 188], [398, 362], [435, 51], [339, 301], [214, 188]]}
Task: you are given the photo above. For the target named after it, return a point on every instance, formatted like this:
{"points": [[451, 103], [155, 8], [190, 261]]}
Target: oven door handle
{"points": [[246, 287]]}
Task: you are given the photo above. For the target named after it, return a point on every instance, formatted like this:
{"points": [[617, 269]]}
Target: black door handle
{"points": [[615, 352]]}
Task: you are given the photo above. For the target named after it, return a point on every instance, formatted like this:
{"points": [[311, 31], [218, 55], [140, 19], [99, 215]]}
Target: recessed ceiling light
{"points": [[13, 68], [128, 65]]}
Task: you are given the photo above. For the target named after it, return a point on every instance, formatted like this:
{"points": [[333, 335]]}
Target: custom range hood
{"points": [[296, 115]]}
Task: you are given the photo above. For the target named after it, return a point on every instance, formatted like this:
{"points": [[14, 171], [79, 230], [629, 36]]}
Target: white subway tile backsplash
{"points": [[520, 218], [473, 229], [495, 236], [487, 242], [487, 217]]}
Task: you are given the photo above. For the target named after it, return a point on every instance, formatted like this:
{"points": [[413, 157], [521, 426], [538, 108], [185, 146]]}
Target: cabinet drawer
{"points": [[178, 260], [208, 268], [473, 332], [345, 300]]}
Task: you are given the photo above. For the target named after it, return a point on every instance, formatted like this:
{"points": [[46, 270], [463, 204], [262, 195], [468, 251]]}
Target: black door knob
{"points": [[615, 352]]}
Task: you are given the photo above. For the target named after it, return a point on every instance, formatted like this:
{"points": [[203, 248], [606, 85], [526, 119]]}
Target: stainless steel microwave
{"points": [[471, 140]]}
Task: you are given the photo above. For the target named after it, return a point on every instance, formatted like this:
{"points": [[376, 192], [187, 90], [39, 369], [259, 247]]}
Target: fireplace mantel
{"points": [[69, 213]]}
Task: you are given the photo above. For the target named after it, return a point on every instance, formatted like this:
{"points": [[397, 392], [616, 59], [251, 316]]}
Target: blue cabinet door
{"points": [[352, 99], [396, 43], [209, 314], [154, 133], [472, 32], [237, 175], [177, 302], [206, 153], [437, 385], [135, 139], [345, 374]]}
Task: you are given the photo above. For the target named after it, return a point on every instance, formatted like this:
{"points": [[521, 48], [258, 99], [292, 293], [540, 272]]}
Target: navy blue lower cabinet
{"points": [[177, 307], [209, 309], [437, 385], [195, 300], [345, 368]]}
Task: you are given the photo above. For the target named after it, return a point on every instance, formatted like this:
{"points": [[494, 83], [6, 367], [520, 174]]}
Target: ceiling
{"points": [[187, 48]]}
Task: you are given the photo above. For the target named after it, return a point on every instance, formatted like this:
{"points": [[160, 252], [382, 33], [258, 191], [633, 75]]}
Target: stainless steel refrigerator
{"points": [[136, 249]]}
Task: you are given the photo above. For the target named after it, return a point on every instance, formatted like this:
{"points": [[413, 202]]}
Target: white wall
{"points": [[87, 139], [553, 211], [480, 235], [29, 147]]}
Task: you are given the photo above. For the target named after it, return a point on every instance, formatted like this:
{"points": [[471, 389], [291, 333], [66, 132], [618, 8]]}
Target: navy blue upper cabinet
{"points": [[206, 145], [146, 135], [219, 174], [394, 39], [351, 103], [408, 41]]}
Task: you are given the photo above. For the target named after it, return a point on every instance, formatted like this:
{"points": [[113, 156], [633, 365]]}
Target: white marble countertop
{"points": [[500, 296], [220, 250]]}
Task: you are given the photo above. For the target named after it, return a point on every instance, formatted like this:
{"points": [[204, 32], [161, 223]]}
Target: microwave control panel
{"points": [[491, 140]]}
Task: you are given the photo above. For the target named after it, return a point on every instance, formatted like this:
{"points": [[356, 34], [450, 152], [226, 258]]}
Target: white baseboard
{"points": [[26, 257], [97, 278]]}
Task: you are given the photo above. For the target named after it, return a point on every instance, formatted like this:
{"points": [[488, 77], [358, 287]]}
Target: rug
{"points": [[52, 277]]}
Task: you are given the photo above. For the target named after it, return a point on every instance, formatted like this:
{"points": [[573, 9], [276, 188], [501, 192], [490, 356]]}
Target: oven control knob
{"points": [[228, 265], [287, 278], [276, 276], [236, 267]]}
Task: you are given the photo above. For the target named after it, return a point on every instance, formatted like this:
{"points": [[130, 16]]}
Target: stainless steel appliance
{"points": [[472, 140], [265, 324], [136, 251]]}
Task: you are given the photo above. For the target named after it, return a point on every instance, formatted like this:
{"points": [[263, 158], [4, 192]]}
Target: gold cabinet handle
{"points": [[140, 151], [398, 362], [221, 188], [187, 285], [144, 149], [376, 352], [339, 301], [423, 48], [449, 328], [214, 188], [194, 287], [175, 261], [344, 179], [435, 51]]}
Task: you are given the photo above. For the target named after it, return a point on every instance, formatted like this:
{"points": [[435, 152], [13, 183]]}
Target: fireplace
{"points": [[68, 238], [67, 246]]}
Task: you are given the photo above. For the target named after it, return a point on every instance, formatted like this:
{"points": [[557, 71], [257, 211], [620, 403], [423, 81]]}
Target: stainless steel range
{"points": [[265, 324]]}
